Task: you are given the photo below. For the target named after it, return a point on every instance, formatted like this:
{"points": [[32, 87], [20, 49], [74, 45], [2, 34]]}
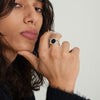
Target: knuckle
{"points": [[56, 35], [59, 35], [54, 54], [64, 54], [44, 35], [41, 38], [54, 50], [77, 49], [66, 43]]}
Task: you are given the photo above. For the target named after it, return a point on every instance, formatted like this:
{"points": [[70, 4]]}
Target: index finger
{"points": [[44, 41]]}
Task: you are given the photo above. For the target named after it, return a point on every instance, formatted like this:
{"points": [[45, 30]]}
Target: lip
{"points": [[30, 34]]}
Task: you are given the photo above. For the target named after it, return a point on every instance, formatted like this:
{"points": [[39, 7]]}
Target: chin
{"points": [[26, 48]]}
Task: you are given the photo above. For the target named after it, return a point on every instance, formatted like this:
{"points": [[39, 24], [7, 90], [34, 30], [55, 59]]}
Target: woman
{"points": [[27, 54]]}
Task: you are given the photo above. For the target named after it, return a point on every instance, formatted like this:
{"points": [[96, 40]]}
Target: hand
{"points": [[59, 65]]}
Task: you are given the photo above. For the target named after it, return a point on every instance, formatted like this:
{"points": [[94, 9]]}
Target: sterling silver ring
{"points": [[53, 41]]}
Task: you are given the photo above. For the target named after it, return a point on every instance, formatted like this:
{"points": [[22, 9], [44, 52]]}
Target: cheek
{"points": [[18, 43], [9, 25], [14, 40]]}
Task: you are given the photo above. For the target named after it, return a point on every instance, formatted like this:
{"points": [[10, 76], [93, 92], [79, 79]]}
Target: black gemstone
{"points": [[53, 41]]}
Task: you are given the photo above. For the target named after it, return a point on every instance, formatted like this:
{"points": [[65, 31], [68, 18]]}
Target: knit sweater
{"points": [[52, 94]]}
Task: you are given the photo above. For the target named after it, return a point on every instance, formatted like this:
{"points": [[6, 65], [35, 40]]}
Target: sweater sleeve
{"points": [[4, 94], [57, 94]]}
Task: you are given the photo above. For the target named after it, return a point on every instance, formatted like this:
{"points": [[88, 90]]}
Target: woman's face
{"points": [[21, 28]]}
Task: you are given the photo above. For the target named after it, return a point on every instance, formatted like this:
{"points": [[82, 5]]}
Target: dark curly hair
{"points": [[20, 77]]}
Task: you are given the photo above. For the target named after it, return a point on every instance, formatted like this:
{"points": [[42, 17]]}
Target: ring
{"points": [[53, 41]]}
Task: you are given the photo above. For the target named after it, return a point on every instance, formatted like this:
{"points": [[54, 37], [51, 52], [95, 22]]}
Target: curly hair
{"points": [[20, 77]]}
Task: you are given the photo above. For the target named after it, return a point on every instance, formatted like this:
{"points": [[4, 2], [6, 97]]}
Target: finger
{"points": [[44, 41], [65, 46], [31, 58], [56, 36], [75, 51]]}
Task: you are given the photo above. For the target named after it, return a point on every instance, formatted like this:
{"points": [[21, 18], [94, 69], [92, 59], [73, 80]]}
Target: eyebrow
{"points": [[39, 0]]}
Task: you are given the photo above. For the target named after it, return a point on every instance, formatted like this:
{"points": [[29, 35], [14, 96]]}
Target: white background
{"points": [[79, 23]]}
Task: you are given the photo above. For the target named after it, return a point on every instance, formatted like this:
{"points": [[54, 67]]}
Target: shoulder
{"points": [[4, 93]]}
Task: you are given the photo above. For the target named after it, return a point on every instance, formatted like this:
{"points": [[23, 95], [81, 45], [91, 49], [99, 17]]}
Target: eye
{"points": [[16, 5], [38, 9]]}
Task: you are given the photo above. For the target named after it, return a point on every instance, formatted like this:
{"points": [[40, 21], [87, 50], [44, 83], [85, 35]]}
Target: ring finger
{"points": [[56, 36], [65, 47]]}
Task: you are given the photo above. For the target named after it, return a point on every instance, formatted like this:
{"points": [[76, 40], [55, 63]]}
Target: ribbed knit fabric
{"points": [[57, 94], [52, 94], [5, 94]]}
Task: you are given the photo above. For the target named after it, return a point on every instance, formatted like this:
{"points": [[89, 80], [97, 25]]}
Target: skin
{"points": [[22, 18], [58, 64]]}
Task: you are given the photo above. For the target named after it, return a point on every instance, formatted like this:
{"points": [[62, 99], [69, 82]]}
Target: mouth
{"points": [[30, 34]]}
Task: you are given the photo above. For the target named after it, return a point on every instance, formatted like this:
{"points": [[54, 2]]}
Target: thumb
{"points": [[30, 57]]}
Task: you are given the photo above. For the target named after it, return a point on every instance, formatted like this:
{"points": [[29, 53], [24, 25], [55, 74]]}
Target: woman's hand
{"points": [[58, 64]]}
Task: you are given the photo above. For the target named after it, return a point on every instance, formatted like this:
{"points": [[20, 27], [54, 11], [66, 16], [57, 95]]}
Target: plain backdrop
{"points": [[79, 23]]}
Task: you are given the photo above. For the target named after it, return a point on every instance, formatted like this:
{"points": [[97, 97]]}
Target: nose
{"points": [[30, 16]]}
